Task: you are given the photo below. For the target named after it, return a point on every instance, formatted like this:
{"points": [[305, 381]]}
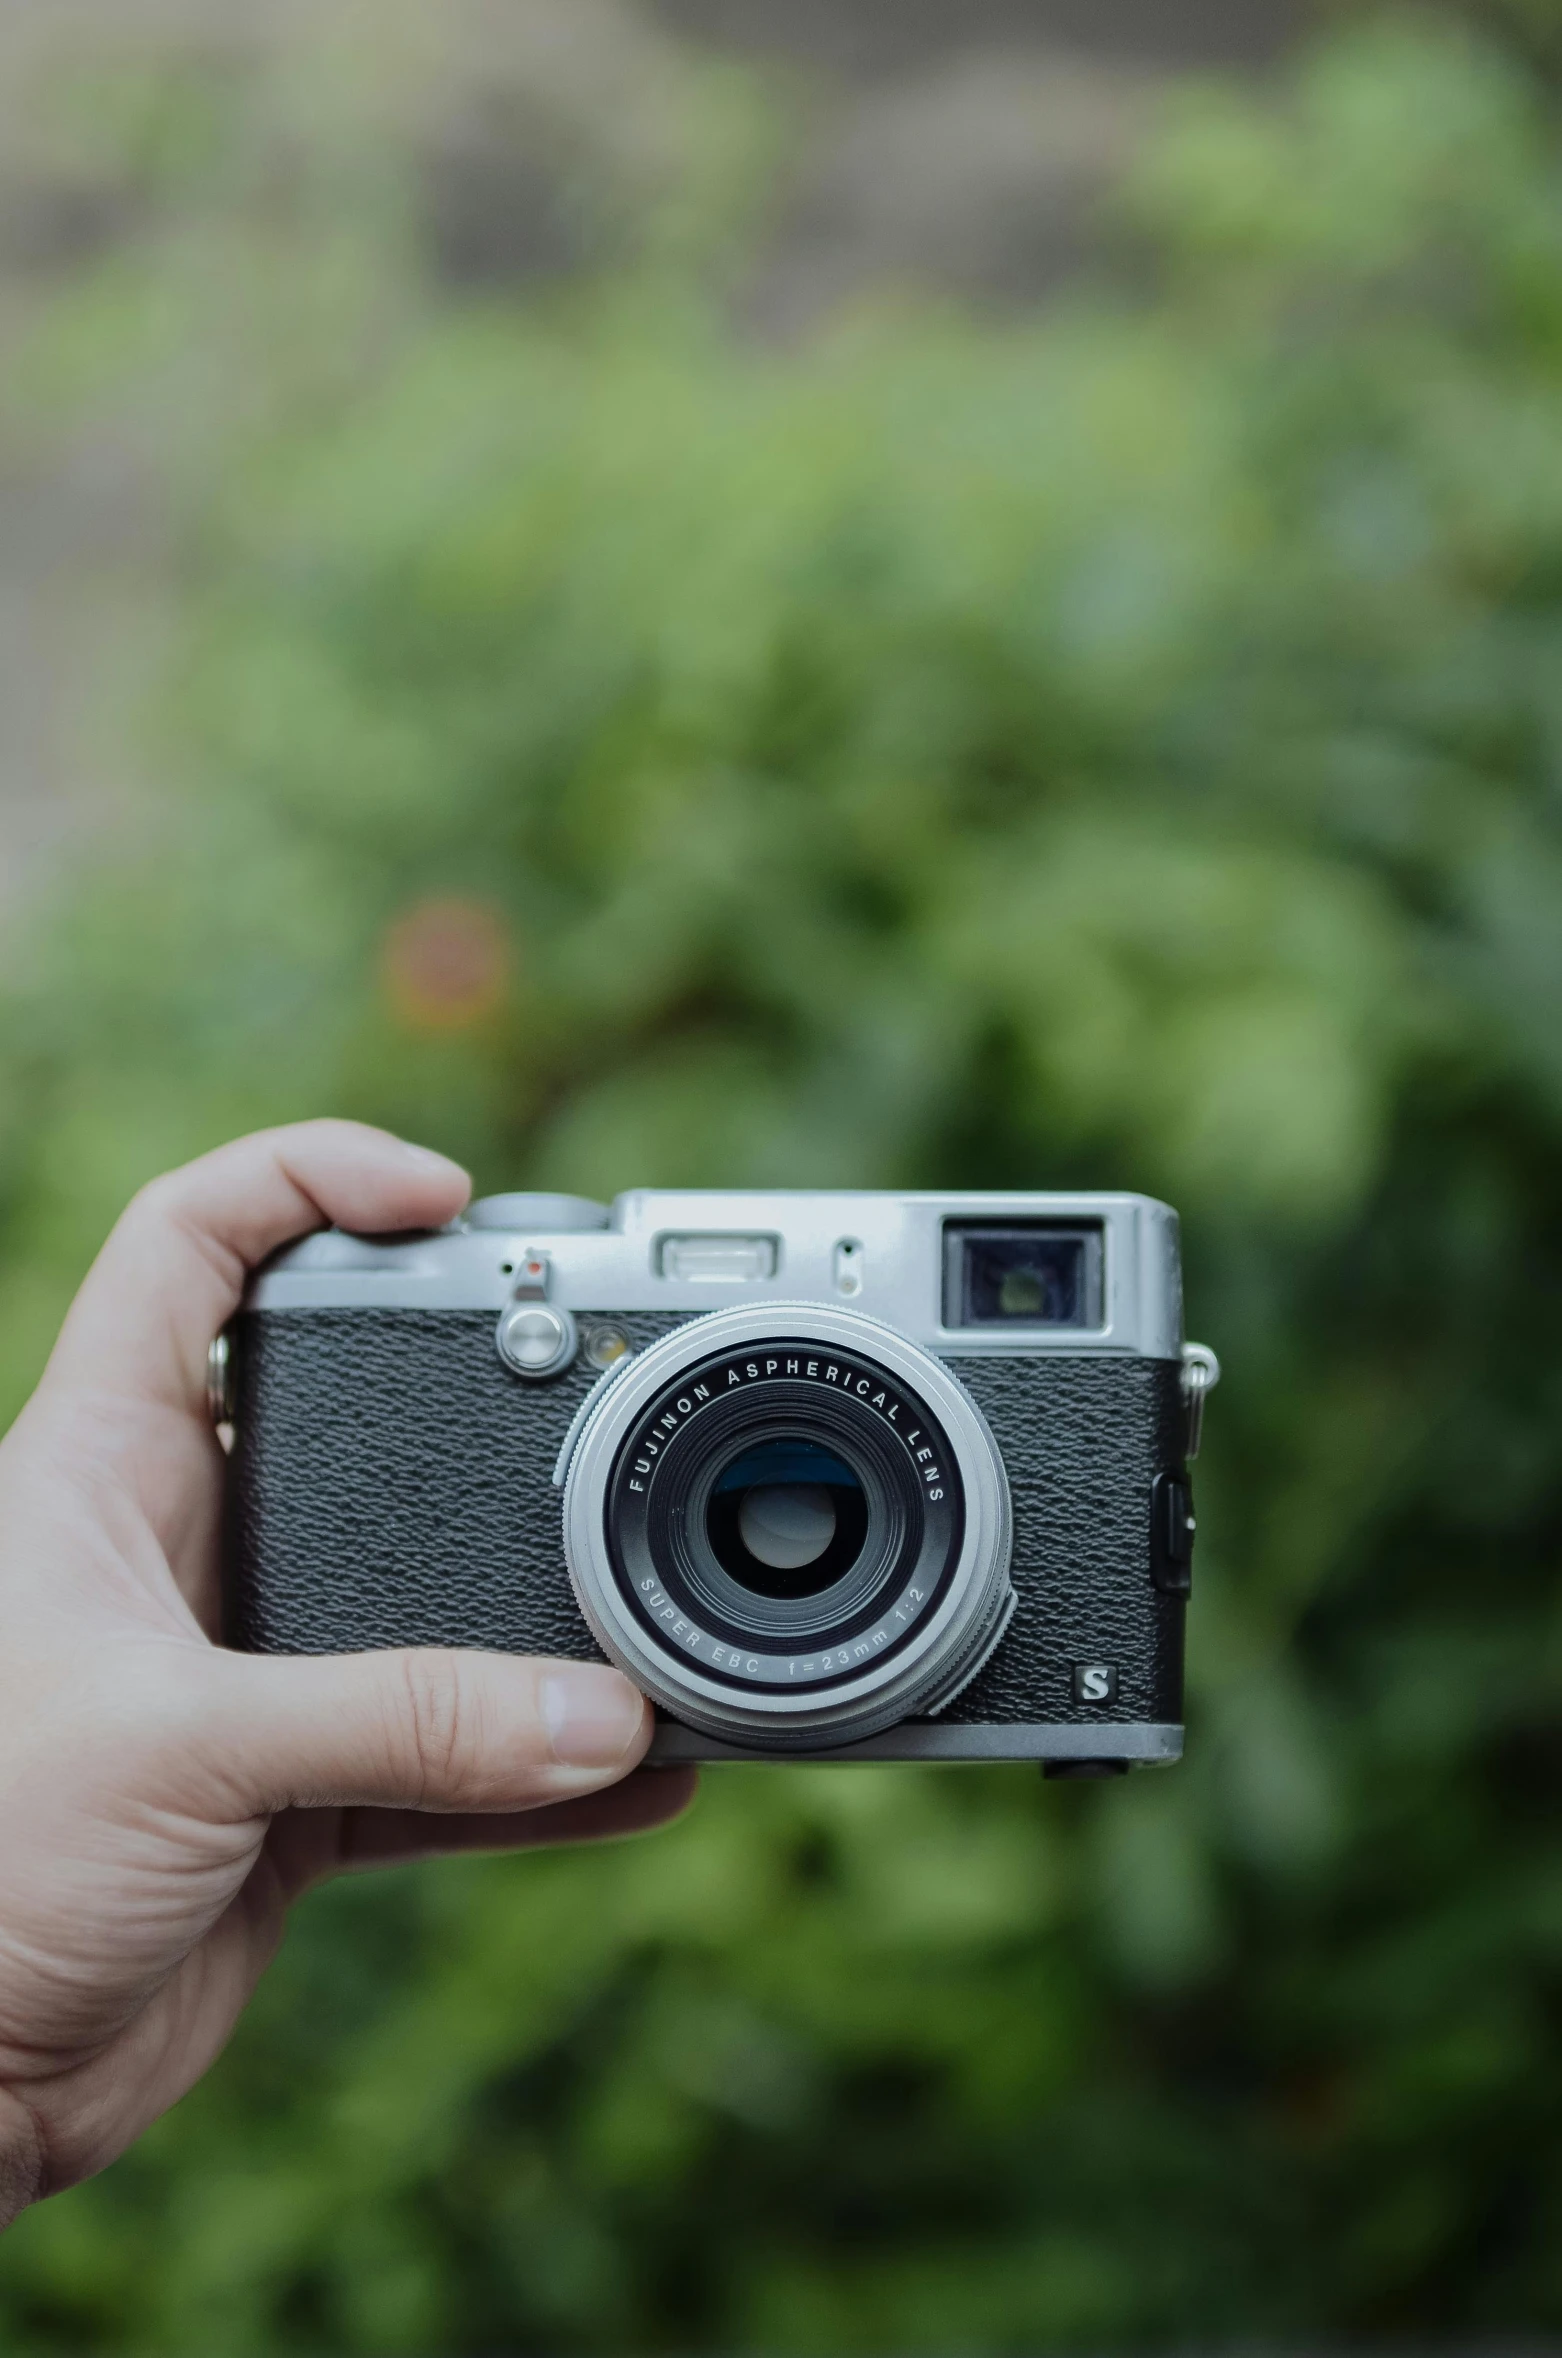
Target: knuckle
{"points": [[443, 1729], [167, 1212], [153, 1216], [152, 1205]]}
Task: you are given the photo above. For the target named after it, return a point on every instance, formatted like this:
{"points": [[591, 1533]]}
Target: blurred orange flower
{"points": [[445, 963]]}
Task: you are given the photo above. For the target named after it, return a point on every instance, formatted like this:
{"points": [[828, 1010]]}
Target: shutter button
{"points": [[535, 1337]]}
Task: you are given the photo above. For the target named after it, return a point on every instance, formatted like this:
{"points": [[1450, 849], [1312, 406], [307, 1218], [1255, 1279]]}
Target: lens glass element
{"points": [[786, 1518]]}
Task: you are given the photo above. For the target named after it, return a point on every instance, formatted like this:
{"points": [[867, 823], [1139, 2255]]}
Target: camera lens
{"points": [[779, 1522], [791, 1526], [786, 1518]]}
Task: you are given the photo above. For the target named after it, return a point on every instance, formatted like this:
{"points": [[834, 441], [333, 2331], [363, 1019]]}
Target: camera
{"points": [[829, 1475]]}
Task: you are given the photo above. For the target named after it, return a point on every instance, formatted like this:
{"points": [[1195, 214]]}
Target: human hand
{"points": [[161, 1800]]}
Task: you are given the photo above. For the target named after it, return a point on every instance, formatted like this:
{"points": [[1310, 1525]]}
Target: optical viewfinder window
{"points": [[1018, 1275]]}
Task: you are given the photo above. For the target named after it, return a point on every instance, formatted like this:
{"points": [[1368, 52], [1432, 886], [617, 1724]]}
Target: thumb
{"points": [[430, 1728]]}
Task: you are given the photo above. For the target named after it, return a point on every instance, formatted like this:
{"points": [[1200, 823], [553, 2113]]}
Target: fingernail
{"points": [[592, 1715], [427, 1160]]}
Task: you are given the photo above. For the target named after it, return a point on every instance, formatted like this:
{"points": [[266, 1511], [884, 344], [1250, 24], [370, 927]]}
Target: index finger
{"points": [[173, 1268]]}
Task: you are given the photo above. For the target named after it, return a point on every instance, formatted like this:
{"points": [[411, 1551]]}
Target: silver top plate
{"points": [[686, 1251]]}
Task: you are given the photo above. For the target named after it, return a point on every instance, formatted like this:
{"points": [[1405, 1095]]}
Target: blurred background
{"points": [[880, 595]]}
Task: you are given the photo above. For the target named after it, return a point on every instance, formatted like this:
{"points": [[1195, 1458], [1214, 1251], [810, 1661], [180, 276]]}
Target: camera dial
{"points": [[535, 1338], [790, 1526]]}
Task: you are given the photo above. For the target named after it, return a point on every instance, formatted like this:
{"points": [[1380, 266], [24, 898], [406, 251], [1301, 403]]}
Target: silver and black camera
{"points": [[829, 1475]]}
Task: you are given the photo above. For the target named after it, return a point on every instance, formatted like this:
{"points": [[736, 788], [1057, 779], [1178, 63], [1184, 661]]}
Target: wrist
{"points": [[21, 2158]]}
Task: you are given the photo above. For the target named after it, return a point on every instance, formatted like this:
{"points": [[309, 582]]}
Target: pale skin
{"points": [[162, 1800]]}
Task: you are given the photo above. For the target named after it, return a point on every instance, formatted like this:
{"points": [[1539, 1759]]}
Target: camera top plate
{"points": [[686, 1252]]}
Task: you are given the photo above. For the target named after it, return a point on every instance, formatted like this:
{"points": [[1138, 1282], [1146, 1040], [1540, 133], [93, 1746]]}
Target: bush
{"points": [[1118, 749]]}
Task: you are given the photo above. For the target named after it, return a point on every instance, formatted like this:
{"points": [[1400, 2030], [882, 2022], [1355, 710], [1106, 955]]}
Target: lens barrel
{"points": [[790, 1526]]}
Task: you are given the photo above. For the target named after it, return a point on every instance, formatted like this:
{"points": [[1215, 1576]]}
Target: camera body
{"points": [[830, 1475]]}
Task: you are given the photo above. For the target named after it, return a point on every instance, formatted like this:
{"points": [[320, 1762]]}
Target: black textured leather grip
{"points": [[391, 1485]]}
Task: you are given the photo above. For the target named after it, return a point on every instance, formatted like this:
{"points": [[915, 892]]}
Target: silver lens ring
{"points": [[789, 1367]]}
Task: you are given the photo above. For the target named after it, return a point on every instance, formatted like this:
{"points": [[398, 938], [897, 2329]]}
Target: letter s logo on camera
{"points": [[1095, 1682]]}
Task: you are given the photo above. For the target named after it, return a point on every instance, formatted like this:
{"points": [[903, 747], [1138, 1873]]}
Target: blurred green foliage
{"points": [[1118, 749]]}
